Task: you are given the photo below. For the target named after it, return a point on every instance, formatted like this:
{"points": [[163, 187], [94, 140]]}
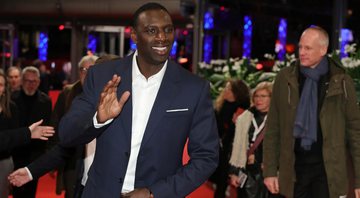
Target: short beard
{"points": [[28, 93]]}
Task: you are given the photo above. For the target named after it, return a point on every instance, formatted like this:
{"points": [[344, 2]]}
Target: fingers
{"points": [[276, 186], [19, 177], [272, 184], [124, 97], [38, 123]]}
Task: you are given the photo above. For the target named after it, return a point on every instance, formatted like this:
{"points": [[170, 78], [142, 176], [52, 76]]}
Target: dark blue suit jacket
{"points": [[159, 164]]}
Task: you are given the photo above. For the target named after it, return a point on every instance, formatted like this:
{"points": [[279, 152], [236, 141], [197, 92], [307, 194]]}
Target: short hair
{"points": [[263, 86], [146, 7], [106, 57], [13, 68], [87, 59], [31, 69], [324, 36]]}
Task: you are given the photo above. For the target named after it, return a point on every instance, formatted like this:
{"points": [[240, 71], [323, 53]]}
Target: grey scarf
{"points": [[307, 110]]}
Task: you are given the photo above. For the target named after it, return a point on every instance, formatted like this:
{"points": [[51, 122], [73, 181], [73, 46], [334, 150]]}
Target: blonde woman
{"points": [[248, 132]]}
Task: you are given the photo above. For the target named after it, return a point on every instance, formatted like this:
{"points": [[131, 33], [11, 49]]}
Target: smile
{"points": [[160, 50]]}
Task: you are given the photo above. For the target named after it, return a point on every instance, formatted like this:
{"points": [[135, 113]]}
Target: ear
{"points": [[323, 50], [133, 35]]}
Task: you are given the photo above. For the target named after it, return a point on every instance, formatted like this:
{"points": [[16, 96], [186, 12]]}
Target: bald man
{"points": [[313, 122]]}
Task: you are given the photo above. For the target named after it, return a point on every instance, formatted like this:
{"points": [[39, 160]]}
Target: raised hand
{"points": [[19, 177], [109, 106], [41, 132]]}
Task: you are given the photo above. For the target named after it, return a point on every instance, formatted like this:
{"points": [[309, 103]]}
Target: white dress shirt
{"points": [[144, 92]]}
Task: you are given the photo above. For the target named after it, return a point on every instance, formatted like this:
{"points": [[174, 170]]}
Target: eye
{"points": [[151, 31], [169, 30]]}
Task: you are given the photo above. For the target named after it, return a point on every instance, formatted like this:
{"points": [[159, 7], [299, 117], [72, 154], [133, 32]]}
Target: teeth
{"points": [[159, 48]]}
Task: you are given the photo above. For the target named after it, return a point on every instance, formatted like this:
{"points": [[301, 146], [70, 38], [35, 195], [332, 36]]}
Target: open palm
{"points": [[109, 106]]}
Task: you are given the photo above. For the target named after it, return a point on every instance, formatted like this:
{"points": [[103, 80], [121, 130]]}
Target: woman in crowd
{"points": [[11, 137], [234, 99], [246, 153], [8, 120]]}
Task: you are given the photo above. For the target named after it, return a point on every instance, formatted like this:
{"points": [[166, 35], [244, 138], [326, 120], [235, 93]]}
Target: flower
{"points": [[219, 71]]}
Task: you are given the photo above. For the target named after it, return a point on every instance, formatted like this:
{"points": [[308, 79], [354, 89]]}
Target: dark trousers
{"points": [[311, 181], [26, 191], [78, 191]]}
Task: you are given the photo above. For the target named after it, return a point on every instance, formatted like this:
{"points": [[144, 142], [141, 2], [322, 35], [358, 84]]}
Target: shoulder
{"points": [[186, 77]]}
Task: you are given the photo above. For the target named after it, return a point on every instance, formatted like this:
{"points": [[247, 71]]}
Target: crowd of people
{"points": [[122, 127]]}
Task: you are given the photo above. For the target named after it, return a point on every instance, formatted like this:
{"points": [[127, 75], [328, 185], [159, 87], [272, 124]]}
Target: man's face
{"points": [[14, 79], [310, 49], [30, 83], [83, 71], [154, 36]]}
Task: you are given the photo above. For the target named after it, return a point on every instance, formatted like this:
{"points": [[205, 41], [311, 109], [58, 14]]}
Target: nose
{"points": [[161, 36]]}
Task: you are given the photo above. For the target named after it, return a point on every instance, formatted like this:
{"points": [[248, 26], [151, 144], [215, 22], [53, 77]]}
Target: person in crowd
{"points": [[233, 100], [11, 138], [44, 76], [249, 129], [14, 78], [67, 174], [313, 122], [140, 138], [8, 120], [75, 161], [34, 105]]}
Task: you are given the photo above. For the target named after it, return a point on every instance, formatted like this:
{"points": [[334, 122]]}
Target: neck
{"points": [[148, 69]]}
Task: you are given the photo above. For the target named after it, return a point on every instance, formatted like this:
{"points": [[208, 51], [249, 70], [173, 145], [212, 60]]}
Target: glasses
{"points": [[30, 81], [261, 96], [84, 69]]}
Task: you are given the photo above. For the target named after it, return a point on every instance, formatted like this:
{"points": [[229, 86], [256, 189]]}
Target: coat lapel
{"points": [[167, 92], [125, 72]]}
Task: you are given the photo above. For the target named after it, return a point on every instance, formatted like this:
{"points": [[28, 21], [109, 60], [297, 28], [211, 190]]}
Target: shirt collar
{"points": [[136, 74]]}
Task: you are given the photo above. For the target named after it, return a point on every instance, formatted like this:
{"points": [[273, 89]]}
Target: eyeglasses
{"points": [[30, 81], [84, 69], [261, 96]]}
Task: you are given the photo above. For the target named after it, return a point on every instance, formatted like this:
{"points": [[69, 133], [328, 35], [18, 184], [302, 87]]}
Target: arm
{"points": [[271, 150], [203, 147], [17, 137], [352, 114], [77, 126], [12, 138], [56, 157]]}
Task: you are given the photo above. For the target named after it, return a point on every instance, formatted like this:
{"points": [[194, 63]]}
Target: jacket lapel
{"points": [[125, 72], [167, 92]]}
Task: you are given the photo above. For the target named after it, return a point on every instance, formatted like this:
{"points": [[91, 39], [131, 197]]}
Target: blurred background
{"points": [[60, 32]]}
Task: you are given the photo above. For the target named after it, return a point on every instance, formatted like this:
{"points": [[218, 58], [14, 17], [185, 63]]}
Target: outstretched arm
{"points": [[10, 139]]}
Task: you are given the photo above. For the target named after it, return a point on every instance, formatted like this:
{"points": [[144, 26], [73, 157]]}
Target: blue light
{"points": [[92, 42], [173, 50], [247, 37], [43, 46], [132, 45], [281, 46], [208, 41], [208, 21], [346, 37]]}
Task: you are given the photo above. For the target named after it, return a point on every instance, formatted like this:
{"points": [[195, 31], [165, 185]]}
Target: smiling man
{"points": [[143, 122]]}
